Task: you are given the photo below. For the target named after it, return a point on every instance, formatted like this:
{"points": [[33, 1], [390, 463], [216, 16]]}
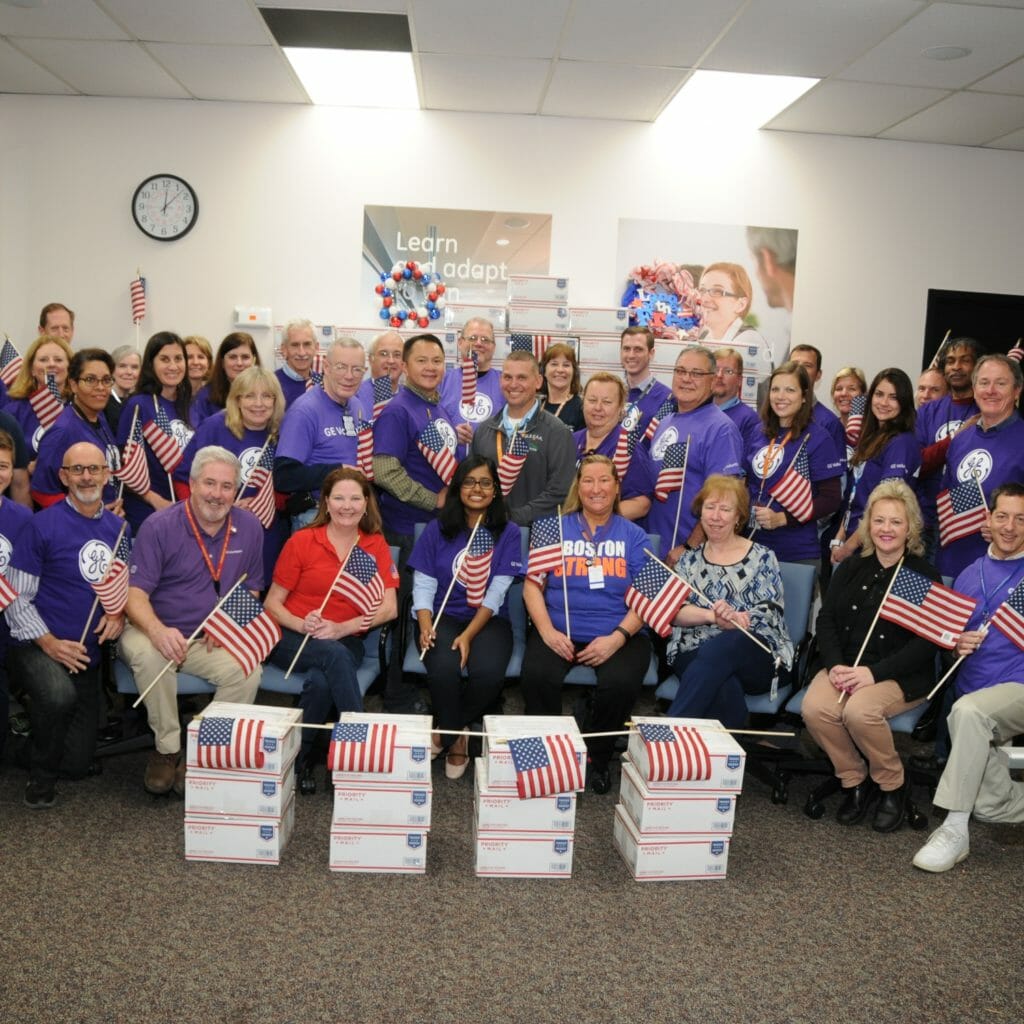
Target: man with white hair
{"points": [[298, 348]]}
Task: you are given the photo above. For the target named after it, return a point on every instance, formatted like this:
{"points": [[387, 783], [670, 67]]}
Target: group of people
{"points": [[369, 450]]}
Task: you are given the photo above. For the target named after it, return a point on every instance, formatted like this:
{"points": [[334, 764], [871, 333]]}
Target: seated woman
{"points": [[560, 393], [716, 662], [847, 707], [237, 352], [604, 399], [347, 518], [473, 631], [601, 554]]}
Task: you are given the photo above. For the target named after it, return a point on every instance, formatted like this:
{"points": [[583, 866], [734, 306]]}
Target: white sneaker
{"points": [[945, 848]]}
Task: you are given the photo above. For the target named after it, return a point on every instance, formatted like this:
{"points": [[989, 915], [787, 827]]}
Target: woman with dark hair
{"points": [[347, 524], [47, 358], [90, 378], [785, 511], [473, 632], [237, 352], [163, 395], [560, 393], [886, 450]]}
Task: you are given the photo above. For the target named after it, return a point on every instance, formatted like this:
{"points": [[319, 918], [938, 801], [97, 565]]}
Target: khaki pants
{"points": [[216, 666]]}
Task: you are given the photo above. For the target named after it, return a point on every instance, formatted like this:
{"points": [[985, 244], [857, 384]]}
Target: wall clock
{"points": [[165, 207]]}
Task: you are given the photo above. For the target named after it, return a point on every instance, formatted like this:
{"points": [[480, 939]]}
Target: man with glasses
{"points": [[320, 430], [725, 390], [645, 393], [298, 348], [476, 339], [56, 630], [699, 439], [385, 355]]}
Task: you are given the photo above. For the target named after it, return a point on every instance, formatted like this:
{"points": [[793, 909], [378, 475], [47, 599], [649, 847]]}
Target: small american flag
{"points": [[675, 753], [261, 478], [316, 371], [1008, 618], [244, 629], [926, 608], [10, 362], [230, 743], [962, 511], [855, 419], [112, 590], [512, 462], [793, 491], [7, 593], [667, 408], [432, 445], [476, 567], [134, 471], [673, 471], [625, 445], [470, 375], [656, 595], [138, 295], [46, 403], [157, 432], [364, 449], [545, 765], [537, 344], [362, 747], [359, 582], [383, 392], [545, 548]]}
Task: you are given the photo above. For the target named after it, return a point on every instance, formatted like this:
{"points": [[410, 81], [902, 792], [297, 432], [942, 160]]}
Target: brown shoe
{"points": [[179, 775], [160, 772]]}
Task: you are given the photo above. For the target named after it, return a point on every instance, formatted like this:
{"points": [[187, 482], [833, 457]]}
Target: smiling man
{"points": [[385, 359], [645, 394], [477, 340], [298, 347]]}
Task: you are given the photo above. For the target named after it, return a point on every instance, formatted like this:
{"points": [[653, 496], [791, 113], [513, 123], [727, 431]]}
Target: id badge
{"points": [[348, 425], [595, 575]]}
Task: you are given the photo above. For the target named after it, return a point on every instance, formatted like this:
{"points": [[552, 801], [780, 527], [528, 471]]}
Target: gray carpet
{"points": [[103, 920]]}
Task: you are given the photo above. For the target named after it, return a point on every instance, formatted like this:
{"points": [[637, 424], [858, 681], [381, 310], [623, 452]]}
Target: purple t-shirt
{"points": [[68, 552], [395, 433], [13, 519], [639, 478], [643, 402], [168, 565], [715, 447], [489, 398], [202, 407], [900, 459], [827, 420], [748, 423], [365, 394], [290, 387], [434, 555], [21, 409], [799, 541], [72, 428], [936, 421], [998, 660]]}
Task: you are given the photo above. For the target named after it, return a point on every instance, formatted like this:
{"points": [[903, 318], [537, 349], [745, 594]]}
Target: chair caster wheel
{"points": [[780, 794], [814, 809], [916, 820]]}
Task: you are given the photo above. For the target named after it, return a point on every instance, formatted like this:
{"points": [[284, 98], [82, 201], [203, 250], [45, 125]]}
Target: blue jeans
{"points": [[714, 678], [330, 667], [62, 713]]}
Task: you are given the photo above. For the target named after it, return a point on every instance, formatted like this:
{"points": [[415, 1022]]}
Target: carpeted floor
{"points": [[103, 920]]}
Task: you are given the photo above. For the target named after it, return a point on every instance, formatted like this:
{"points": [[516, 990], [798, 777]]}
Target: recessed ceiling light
{"points": [[501, 241], [516, 223], [946, 52], [343, 78]]}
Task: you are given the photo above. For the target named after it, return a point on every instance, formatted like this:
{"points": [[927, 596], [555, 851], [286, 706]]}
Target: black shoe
{"points": [[600, 779], [39, 796], [856, 801], [929, 763], [891, 810], [94, 767], [307, 780]]}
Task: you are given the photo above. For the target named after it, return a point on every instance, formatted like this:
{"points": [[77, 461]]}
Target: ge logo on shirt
{"points": [[974, 465], [481, 409], [631, 419], [444, 428], [93, 561], [947, 429], [5, 553], [181, 433], [248, 460], [760, 469], [37, 436], [457, 562], [669, 436]]}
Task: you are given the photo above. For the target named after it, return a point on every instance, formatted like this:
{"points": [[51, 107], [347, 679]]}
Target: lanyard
{"points": [[214, 573], [590, 539], [995, 590]]}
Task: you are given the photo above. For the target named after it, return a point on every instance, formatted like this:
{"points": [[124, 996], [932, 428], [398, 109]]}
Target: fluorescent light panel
{"points": [[356, 78]]}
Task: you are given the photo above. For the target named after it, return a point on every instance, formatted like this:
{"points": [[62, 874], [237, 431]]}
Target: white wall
{"points": [[281, 192]]}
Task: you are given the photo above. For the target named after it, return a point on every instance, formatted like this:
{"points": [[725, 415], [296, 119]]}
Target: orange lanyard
{"points": [[214, 574]]}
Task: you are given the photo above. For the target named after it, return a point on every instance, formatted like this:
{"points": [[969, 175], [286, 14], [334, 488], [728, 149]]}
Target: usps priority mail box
{"points": [[458, 314], [388, 851], [239, 840], [523, 855], [282, 735], [538, 288], [240, 794], [392, 805], [672, 812], [601, 319], [501, 773], [727, 756], [412, 750], [523, 316], [503, 811], [665, 858]]}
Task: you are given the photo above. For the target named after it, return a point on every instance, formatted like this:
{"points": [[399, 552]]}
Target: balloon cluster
{"points": [[411, 295]]}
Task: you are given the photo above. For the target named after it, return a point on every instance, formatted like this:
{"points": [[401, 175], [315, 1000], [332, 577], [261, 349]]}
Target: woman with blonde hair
{"points": [[47, 359]]}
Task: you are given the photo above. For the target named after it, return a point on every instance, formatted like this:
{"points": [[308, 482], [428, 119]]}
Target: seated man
{"points": [[55, 631], [186, 558], [990, 688]]}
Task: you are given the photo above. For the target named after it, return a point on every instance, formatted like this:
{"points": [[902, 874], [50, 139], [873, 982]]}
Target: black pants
{"points": [[619, 681]]}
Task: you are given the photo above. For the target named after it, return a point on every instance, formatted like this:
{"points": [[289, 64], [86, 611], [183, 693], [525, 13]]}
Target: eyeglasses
{"points": [[726, 372], [478, 337], [486, 484], [79, 470], [92, 381], [717, 292], [681, 371], [347, 371]]}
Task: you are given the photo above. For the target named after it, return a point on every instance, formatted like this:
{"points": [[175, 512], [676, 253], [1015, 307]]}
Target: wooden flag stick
{"points": [[455, 576], [142, 696], [956, 664], [935, 358], [323, 605], [96, 599], [565, 582], [682, 485], [245, 483]]}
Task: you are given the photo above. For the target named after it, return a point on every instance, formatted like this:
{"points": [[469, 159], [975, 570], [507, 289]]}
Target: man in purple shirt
{"points": [[476, 337], [298, 347], [385, 360], [186, 558], [726, 390], [645, 394]]}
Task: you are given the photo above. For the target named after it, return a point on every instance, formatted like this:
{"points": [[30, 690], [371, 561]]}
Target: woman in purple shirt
{"points": [[237, 352]]}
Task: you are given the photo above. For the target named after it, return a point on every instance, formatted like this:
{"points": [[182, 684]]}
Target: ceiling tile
{"points": [[995, 35], [661, 33], [1009, 80], [806, 37], [965, 119], [493, 84], [526, 28], [582, 89], [104, 68], [191, 21], [1015, 140], [259, 74], [19, 73], [59, 19]]}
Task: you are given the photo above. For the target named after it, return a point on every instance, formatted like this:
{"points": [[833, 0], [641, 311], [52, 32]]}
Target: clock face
{"points": [[165, 207]]}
